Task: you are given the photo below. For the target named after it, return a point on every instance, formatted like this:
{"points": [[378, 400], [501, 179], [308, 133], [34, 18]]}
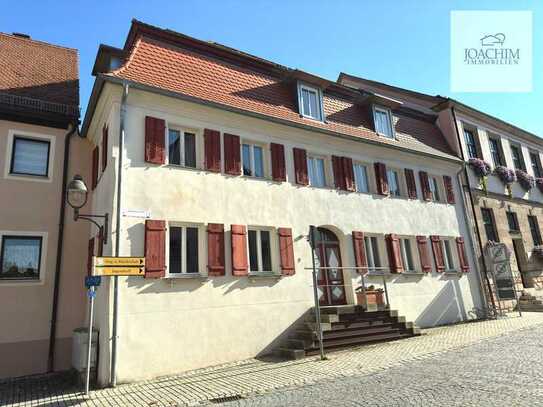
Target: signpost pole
{"points": [[92, 294]]}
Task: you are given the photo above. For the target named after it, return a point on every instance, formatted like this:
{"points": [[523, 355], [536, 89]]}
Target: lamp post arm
{"points": [[102, 228]]}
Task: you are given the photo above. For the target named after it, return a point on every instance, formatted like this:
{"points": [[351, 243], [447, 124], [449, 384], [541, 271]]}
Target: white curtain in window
{"points": [[361, 178], [30, 157], [382, 123]]}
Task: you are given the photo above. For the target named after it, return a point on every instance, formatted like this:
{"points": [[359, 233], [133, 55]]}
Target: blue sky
{"points": [[403, 43]]}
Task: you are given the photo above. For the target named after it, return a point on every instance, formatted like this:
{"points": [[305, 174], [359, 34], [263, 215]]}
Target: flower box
{"points": [[525, 180], [372, 297]]}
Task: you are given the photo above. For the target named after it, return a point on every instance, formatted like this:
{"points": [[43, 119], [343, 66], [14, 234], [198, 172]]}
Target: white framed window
{"points": [[22, 257], [29, 156], [448, 258], [434, 188], [259, 246], [393, 178], [382, 119], [316, 170], [361, 177], [182, 147], [406, 247], [184, 249], [310, 102], [252, 158], [373, 256]]}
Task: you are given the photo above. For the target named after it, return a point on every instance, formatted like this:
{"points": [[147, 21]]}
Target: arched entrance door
{"points": [[330, 283]]}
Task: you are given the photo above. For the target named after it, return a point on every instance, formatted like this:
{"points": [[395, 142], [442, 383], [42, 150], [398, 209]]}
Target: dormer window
{"points": [[310, 102], [382, 119]]}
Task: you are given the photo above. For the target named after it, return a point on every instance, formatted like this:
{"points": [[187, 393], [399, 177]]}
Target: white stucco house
{"points": [[226, 160]]}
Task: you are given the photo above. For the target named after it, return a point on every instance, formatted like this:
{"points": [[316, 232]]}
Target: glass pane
{"points": [[306, 110], [30, 157], [20, 257], [448, 255], [253, 250], [259, 161], [313, 105], [319, 172], [247, 159], [175, 250], [311, 170], [393, 183], [190, 150], [369, 252], [174, 147], [375, 249], [361, 178], [192, 250], [266, 250], [382, 123], [408, 255], [435, 189]]}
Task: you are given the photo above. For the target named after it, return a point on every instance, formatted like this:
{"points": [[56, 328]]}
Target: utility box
{"points": [[80, 350]]}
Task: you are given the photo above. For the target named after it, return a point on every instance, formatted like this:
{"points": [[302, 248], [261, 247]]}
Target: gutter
{"points": [[474, 213], [113, 373], [60, 243], [101, 78]]}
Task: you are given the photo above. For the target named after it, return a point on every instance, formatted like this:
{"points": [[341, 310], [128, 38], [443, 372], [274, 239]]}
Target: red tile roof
{"points": [[38, 70], [202, 75]]}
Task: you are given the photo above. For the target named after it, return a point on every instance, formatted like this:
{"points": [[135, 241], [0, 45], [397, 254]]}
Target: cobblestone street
{"points": [[503, 371], [481, 363]]}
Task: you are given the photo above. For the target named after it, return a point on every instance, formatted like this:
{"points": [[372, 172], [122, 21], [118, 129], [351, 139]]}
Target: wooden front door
{"points": [[331, 287]]}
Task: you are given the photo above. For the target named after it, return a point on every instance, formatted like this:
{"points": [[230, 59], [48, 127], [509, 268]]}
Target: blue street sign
{"points": [[92, 281], [91, 293]]}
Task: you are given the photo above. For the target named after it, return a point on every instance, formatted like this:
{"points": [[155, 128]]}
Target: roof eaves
{"points": [[177, 95]]}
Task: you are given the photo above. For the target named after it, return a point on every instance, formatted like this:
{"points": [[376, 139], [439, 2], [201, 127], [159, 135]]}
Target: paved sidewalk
{"points": [[257, 377]]}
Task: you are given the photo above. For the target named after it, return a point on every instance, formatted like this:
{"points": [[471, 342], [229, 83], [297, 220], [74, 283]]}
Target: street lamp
{"points": [[76, 196]]}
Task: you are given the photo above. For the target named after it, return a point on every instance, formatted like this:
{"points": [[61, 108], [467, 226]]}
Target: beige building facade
{"points": [[37, 328]]}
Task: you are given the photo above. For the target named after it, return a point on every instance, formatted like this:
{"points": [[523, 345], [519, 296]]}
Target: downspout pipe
{"points": [[474, 212], [60, 242], [113, 373]]}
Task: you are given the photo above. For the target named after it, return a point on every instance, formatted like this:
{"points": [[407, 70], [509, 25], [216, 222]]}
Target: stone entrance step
{"points": [[346, 326]]}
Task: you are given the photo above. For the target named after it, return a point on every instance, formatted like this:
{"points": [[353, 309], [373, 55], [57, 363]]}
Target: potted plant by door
{"points": [[372, 296]]}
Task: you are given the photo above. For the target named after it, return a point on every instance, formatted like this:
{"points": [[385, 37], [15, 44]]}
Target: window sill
{"points": [[182, 167], [14, 282], [413, 273], [28, 177], [452, 273], [265, 275], [187, 276]]}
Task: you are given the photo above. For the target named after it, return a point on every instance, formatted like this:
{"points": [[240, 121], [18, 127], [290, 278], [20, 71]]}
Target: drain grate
{"points": [[226, 399]]}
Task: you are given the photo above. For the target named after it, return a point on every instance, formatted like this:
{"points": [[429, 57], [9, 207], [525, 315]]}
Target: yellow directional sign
{"points": [[119, 271], [119, 261]]}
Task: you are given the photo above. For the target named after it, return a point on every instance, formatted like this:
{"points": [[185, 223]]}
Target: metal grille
{"points": [[226, 399]]}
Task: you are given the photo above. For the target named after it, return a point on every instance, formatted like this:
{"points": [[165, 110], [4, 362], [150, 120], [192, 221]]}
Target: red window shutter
{"points": [[232, 154], [460, 246], [339, 175], [425, 186], [155, 138], [105, 132], [437, 249], [360, 251], [240, 265], [155, 248], [300, 166], [394, 253], [449, 189], [411, 184], [95, 163], [424, 254], [279, 172], [90, 253], [212, 147], [286, 251], [349, 174], [215, 249], [381, 178]]}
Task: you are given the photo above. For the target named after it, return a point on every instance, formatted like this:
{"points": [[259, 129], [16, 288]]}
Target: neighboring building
{"points": [[227, 160], [502, 212], [39, 98]]}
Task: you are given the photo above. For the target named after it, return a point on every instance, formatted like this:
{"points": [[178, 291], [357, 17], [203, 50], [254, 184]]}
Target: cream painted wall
{"points": [[171, 325]]}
